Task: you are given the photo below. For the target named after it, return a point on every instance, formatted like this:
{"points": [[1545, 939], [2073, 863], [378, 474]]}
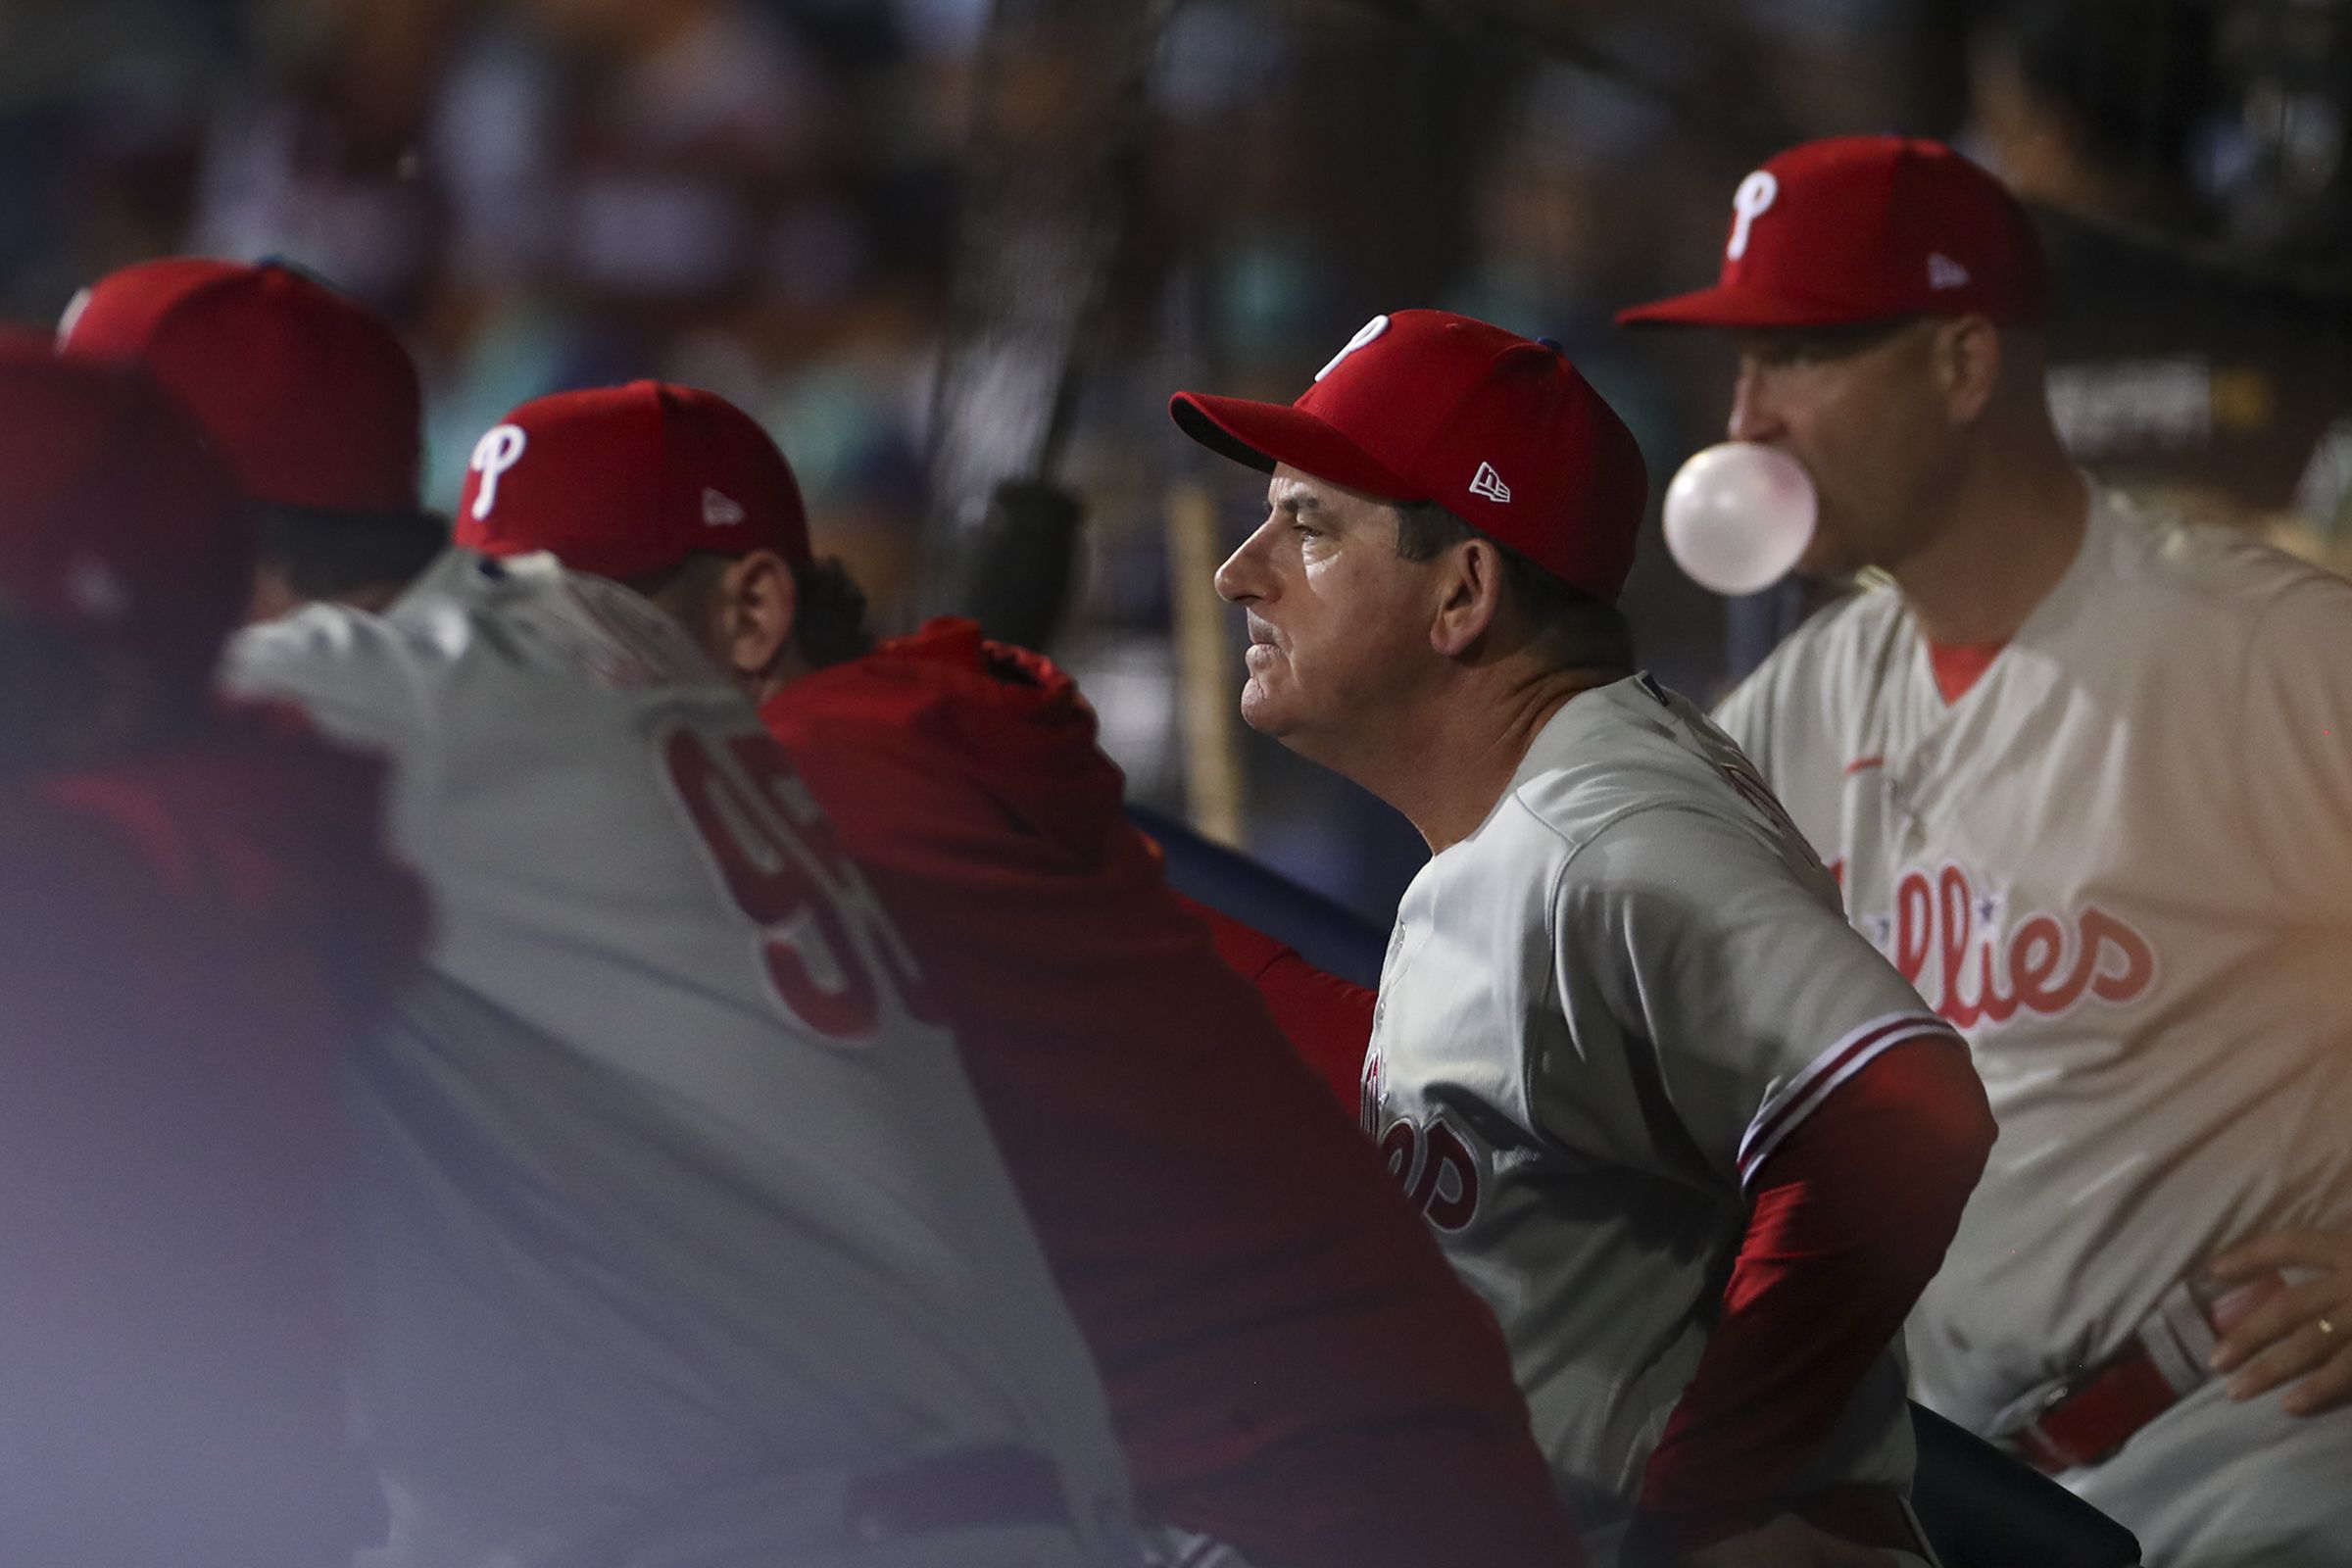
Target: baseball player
{"points": [[307, 397], [1294, 1371], [2083, 772], [197, 914], [1695, 1140], [686, 1242]]}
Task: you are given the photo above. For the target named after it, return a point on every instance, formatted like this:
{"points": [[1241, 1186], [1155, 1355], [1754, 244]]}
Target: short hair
{"points": [[1571, 629], [828, 621], [326, 554], [829, 626]]}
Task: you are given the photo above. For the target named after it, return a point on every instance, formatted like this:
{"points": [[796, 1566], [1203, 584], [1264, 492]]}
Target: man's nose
{"points": [[1755, 412], [1242, 579]]}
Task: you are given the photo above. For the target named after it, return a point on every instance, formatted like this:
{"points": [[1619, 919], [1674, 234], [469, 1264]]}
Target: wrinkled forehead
{"points": [[1296, 490], [1287, 487]]}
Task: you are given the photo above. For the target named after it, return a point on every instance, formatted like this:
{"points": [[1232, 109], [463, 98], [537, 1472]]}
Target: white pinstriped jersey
{"points": [[673, 1193], [1599, 1014], [2122, 863]]}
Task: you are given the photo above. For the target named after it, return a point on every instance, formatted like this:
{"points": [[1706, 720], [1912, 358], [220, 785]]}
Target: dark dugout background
{"points": [[938, 244]]}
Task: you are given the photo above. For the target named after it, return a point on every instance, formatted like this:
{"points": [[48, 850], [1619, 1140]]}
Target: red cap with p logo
{"points": [[1854, 229], [1425, 406], [626, 481]]}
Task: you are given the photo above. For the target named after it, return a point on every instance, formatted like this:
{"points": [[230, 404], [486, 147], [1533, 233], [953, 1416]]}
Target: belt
{"points": [[998, 1485], [2088, 1417]]}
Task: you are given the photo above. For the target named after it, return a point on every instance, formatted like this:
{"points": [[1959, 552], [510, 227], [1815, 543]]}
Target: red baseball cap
{"points": [[310, 398], [121, 527], [1498, 428], [1855, 230], [625, 481]]}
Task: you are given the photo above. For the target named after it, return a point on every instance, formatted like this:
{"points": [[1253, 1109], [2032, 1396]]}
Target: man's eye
{"points": [[1306, 531]]}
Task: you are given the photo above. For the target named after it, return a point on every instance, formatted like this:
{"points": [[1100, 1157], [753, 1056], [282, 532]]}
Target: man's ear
{"points": [[758, 605], [1469, 590], [1967, 365]]}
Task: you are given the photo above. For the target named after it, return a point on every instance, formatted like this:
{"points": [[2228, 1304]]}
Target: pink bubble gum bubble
{"points": [[1739, 517]]}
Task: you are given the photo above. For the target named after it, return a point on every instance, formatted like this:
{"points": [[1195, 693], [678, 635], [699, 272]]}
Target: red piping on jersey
{"points": [[1808, 1089], [1850, 1217], [1860, 763]]}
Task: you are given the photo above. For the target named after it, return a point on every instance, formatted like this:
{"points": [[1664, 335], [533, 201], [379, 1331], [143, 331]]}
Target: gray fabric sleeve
{"points": [[350, 673], [1753, 998]]}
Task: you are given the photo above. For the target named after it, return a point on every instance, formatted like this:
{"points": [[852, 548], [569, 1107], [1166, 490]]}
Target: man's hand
{"points": [[2302, 1332], [1785, 1542]]}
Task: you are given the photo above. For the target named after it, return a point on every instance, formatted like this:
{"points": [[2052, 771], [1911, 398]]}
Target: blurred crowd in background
{"points": [[763, 197]]}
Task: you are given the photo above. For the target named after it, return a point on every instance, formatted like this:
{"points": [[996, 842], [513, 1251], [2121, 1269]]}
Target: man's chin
{"points": [[1261, 712], [1832, 554]]}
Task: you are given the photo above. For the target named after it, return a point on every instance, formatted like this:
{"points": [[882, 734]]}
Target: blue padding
{"points": [[1325, 932]]}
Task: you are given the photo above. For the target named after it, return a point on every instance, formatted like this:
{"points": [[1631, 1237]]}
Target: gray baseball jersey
{"points": [[678, 1201], [1599, 1014], [2121, 863]]}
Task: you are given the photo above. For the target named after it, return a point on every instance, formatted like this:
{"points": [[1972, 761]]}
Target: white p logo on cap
{"points": [[1753, 198], [1364, 334], [499, 450]]}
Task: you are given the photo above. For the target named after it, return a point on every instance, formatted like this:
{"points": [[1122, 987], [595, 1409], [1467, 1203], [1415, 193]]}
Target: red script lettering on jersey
{"points": [[769, 769], [768, 842], [1420, 1159], [1940, 921]]}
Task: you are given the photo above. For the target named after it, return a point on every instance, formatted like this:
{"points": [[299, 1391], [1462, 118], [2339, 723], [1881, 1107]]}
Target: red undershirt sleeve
{"points": [[1327, 1020], [1849, 1219]]}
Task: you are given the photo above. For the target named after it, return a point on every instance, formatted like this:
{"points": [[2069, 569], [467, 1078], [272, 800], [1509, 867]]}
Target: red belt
{"points": [[2088, 1417]]}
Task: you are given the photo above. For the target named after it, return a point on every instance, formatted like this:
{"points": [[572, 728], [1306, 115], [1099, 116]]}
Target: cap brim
{"points": [[1726, 305], [1260, 435]]}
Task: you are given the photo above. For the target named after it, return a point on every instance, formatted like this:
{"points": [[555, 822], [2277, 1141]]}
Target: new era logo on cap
{"points": [[1487, 482], [719, 511], [1944, 272]]}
